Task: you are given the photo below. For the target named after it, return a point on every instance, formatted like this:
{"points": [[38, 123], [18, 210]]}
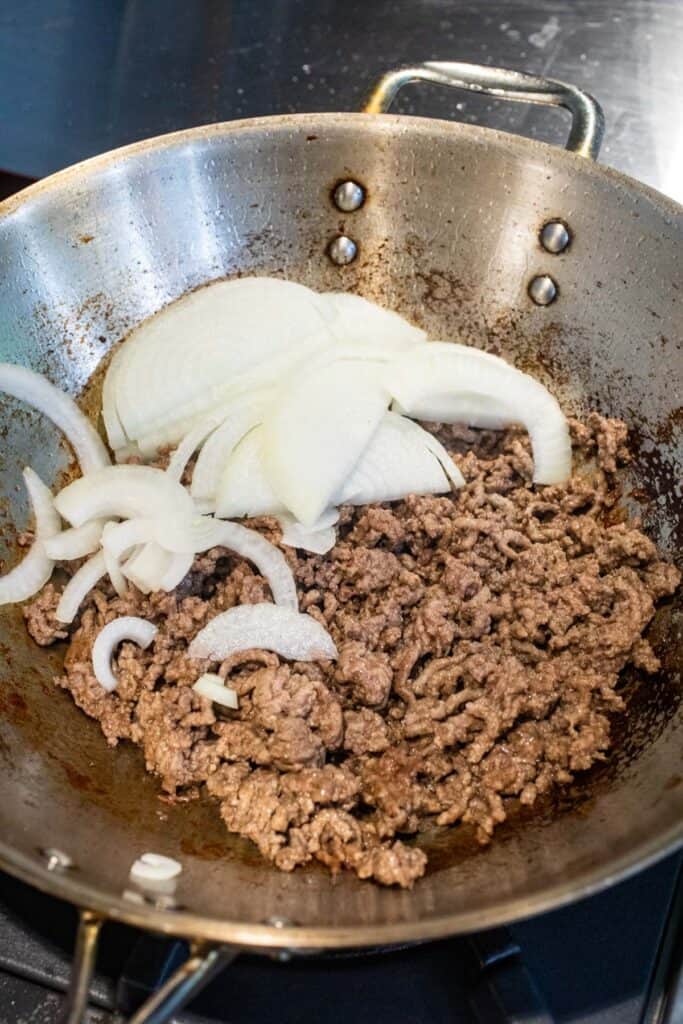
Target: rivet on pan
{"points": [[543, 290], [283, 955], [279, 922], [555, 237], [349, 196], [56, 860], [342, 250]]}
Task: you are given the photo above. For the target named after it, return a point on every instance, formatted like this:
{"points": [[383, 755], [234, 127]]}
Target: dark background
{"points": [[81, 76]]}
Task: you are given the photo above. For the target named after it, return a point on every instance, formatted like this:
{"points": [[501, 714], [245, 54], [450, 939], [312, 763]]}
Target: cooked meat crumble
{"points": [[480, 636]]}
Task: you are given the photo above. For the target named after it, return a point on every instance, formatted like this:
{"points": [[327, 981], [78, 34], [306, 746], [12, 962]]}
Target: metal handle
{"points": [[85, 955], [203, 963], [588, 121]]}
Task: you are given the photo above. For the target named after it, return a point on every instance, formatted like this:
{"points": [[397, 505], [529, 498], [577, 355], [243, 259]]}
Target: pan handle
{"points": [[204, 963], [588, 122]]}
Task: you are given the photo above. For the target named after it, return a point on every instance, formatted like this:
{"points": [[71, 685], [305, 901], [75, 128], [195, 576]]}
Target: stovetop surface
{"points": [[594, 963]]}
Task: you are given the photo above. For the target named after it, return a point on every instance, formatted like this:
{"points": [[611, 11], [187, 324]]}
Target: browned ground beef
{"points": [[480, 635]]}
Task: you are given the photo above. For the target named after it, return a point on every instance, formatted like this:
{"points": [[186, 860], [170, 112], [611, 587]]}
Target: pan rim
{"points": [[385, 122], [312, 938]]}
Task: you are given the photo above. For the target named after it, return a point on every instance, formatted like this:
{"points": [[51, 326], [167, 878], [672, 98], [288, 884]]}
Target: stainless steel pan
{"points": [[571, 270]]}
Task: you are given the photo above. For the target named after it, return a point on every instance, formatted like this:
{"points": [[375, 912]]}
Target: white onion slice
{"points": [[37, 391], [154, 867], [481, 411], [147, 566], [116, 435], [146, 574], [191, 441], [319, 542], [170, 434], [266, 627], [440, 367], [316, 430], [268, 559], [235, 328], [76, 542], [153, 568], [189, 538], [320, 539], [35, 569], [118, 580], [79, 586], [213, 688], [243, 487], [125, 492], [120, 538], [445, 461], [245, 414], [128, 627], [178, 567], [396, 462], [358, 321]]}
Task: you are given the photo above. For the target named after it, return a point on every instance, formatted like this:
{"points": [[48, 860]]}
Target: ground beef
{"points": [[481, 636], [40, 617]]}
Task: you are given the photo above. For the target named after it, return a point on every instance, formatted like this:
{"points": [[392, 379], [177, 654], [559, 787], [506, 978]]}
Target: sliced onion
{"points": [[267, 627], [77, 542], [154, 867], [440, 367], [358, 321], [186, 539], [120, 538], [268, 559], [149, 444], [147, 567], [445, 461], [116, 435], [320, 539], [396, 462], [245, 413], [79, 586], [178, 567], [316, 430], [214, 689], [128, 627], [243, 488], [251, 327], [35, 569], [319, 542], [125, 492], [191, 441], [474, 410], [118, 580], [37, 391]]}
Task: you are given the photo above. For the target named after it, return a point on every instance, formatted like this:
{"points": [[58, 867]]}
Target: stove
{"points": [[78, 78], [610, 959]]}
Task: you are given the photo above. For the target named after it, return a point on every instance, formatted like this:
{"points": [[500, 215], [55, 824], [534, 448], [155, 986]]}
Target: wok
{"points": [[446, 226]]}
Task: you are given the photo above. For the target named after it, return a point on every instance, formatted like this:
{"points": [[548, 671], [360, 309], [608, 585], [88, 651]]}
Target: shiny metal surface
{"points": [[555, 237], [543, 290], [342, 250], [588, 121], [348, 196], [449, 235], [85, 956], [184, 984]]}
